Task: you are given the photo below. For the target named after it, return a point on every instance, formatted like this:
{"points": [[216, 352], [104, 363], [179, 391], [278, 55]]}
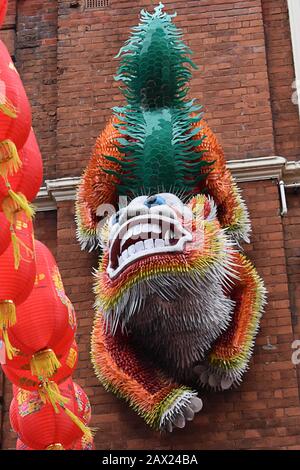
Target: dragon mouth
{"points": [[145, 236]]}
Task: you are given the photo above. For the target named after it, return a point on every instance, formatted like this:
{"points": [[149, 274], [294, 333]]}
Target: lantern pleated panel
{"points": [[16, 284], [40, 427], [18, 370], [13, 416], [5, 234], [28, 179], [3, 10], [32, 168], [46, 323], [15, 114]]}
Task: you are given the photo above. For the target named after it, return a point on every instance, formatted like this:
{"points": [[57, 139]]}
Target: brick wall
{"points": [[262, 413], [281, 77], [65, 57]]}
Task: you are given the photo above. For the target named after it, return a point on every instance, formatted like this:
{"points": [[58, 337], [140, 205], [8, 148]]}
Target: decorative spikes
{"points": [[158, 142], [154, 63], [159, 150], [156, 406], [232, 351]]}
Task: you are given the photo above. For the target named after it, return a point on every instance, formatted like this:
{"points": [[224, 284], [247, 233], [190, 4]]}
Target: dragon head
{"points": [[160, 249]]}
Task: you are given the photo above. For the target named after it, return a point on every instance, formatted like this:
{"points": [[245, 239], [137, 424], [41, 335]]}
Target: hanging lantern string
{"points": [[16, 202], [17, 244], [11, 351]]}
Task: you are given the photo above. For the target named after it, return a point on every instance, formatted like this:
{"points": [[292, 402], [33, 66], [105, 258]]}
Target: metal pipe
{"points": [[292, 185], [282, 198]]}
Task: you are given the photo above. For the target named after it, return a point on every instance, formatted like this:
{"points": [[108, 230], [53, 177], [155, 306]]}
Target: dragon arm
{"points": [[231, 353], [220, 185], [124, 370]]}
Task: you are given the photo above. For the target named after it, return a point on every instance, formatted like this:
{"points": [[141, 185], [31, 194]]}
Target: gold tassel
{"points": [[16, 202], [8, 316], [16, 247], [16, 244], [56, 446], [9, 158], [85, 429], [44, 363], [49, 393], [7, 108], [11, 351]]}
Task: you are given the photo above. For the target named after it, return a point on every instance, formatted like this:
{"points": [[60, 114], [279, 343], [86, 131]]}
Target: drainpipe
{"points": [[282, 198]]}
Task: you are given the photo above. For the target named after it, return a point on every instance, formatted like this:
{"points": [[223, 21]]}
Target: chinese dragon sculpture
{"points": [[177, 304]]}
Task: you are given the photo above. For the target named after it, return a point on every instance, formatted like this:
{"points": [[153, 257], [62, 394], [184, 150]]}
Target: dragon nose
{"points": [[155, 200]]}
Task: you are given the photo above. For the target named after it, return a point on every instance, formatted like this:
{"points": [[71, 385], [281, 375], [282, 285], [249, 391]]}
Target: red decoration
{"points": [[15, 114], [20, 188], [16, 285], [80, 444], [5, 238], [13, 416], [3, 10], [46, 321], [82, 409], [41, 428], [29, 178], [37, 320], [17, 370]]}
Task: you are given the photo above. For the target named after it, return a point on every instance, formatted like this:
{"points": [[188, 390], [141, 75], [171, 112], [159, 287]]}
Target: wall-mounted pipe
{"points": [[282, 198], [292, 185]]}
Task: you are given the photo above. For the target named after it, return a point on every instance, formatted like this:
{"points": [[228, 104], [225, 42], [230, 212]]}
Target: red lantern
{"points": [[41, 428], [29, 178], [3, 10], [13, 416], [80, 444], [5, 235], [32, 168], [16, 284], [15, 114], [20, 188], [17, 370], [46, 321]]}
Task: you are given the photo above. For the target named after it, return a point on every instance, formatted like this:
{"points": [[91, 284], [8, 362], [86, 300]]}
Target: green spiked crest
{"points": [[154, 63], [156, 124]]}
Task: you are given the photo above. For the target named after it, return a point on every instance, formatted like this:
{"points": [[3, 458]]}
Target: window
{"points": [[95, 4]]}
